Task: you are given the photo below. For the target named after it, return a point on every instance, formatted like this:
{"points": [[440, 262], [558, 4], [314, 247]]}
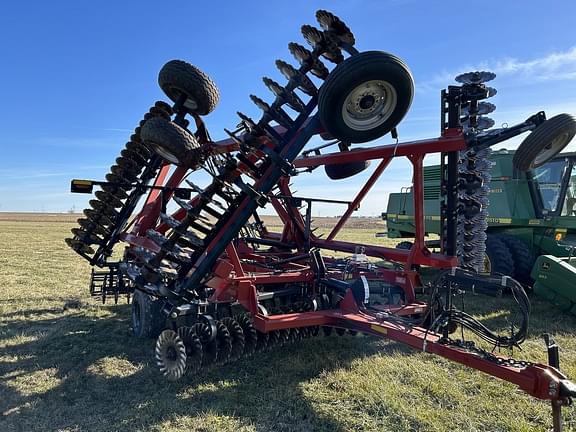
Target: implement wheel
{"points": [[545, 142], [147, 320], [365, 97], [171, 142], [178, 77], [345, 170]]}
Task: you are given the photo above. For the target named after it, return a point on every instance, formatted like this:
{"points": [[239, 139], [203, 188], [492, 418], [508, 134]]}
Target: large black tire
{"points": [[178, 77], [365, 96], [545, 142], [523, 258], [171, 142], [500, 260], [147, 318]]}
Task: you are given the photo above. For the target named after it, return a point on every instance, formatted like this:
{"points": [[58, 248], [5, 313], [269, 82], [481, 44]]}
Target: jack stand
{"points": [[554, 361]]}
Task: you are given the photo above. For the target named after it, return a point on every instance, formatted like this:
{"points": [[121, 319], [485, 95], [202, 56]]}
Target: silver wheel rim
{"points": [[551, 149], [369, 105]]}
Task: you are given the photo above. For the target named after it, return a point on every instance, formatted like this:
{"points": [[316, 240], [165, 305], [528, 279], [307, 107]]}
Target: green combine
{"points": [[531, 229]]}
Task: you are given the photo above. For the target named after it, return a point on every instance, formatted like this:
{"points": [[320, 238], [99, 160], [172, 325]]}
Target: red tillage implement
{"points": [[212, 283]]}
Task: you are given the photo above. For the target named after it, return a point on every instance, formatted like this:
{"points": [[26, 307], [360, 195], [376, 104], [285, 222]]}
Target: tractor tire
{"points": [[545, 142], [178, 77], [499, 257], [523, 258], [365, 97], [171, 142], [147, 319]]}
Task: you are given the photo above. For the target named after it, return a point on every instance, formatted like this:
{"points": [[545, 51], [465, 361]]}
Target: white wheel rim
{"points": [[369, 105]]}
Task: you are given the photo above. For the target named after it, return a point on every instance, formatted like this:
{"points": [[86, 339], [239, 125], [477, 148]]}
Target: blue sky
{"points": [[76, 77]]}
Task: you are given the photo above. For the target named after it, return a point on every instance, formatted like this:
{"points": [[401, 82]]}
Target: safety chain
{"points": [[470, 346]]}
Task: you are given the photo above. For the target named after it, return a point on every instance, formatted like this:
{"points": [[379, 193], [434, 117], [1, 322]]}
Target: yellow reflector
{"points": [[81, 186]]}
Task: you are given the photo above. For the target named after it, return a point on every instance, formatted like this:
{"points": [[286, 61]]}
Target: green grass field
{"points": [[69, 363]]}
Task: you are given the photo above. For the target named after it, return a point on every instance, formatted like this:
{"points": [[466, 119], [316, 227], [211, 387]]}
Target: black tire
{"points": [[405, 245], [499, 257], [394, 87], [545, 142], [523, 258], [178, 77], [171, 142], [345, 170], [147, 318]]}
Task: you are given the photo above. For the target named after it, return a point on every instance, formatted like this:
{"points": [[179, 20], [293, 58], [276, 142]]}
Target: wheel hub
{"points": [[369, 105]]}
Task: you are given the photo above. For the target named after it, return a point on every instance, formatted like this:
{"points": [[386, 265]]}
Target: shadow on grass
{"points": [[496, 312], [81, 372]]}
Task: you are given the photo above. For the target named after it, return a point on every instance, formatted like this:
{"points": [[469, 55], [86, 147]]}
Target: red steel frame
{"points": [[235, 280]]}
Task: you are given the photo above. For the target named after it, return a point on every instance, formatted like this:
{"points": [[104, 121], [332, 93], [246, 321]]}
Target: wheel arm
{"points": [[500, 135]]}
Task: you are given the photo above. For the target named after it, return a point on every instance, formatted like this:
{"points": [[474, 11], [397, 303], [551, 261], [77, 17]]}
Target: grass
{"points": [[68, 363]]}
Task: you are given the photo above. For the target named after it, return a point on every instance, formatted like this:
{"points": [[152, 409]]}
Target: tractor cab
{"points": [[554, 186]]}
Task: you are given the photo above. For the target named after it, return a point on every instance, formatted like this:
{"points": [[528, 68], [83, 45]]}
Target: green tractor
{"points": [[531, 231]]}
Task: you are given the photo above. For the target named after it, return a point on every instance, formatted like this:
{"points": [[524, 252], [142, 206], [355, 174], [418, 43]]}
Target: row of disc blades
{"points": [[103, 216], [474, 168], [188, 350]]}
